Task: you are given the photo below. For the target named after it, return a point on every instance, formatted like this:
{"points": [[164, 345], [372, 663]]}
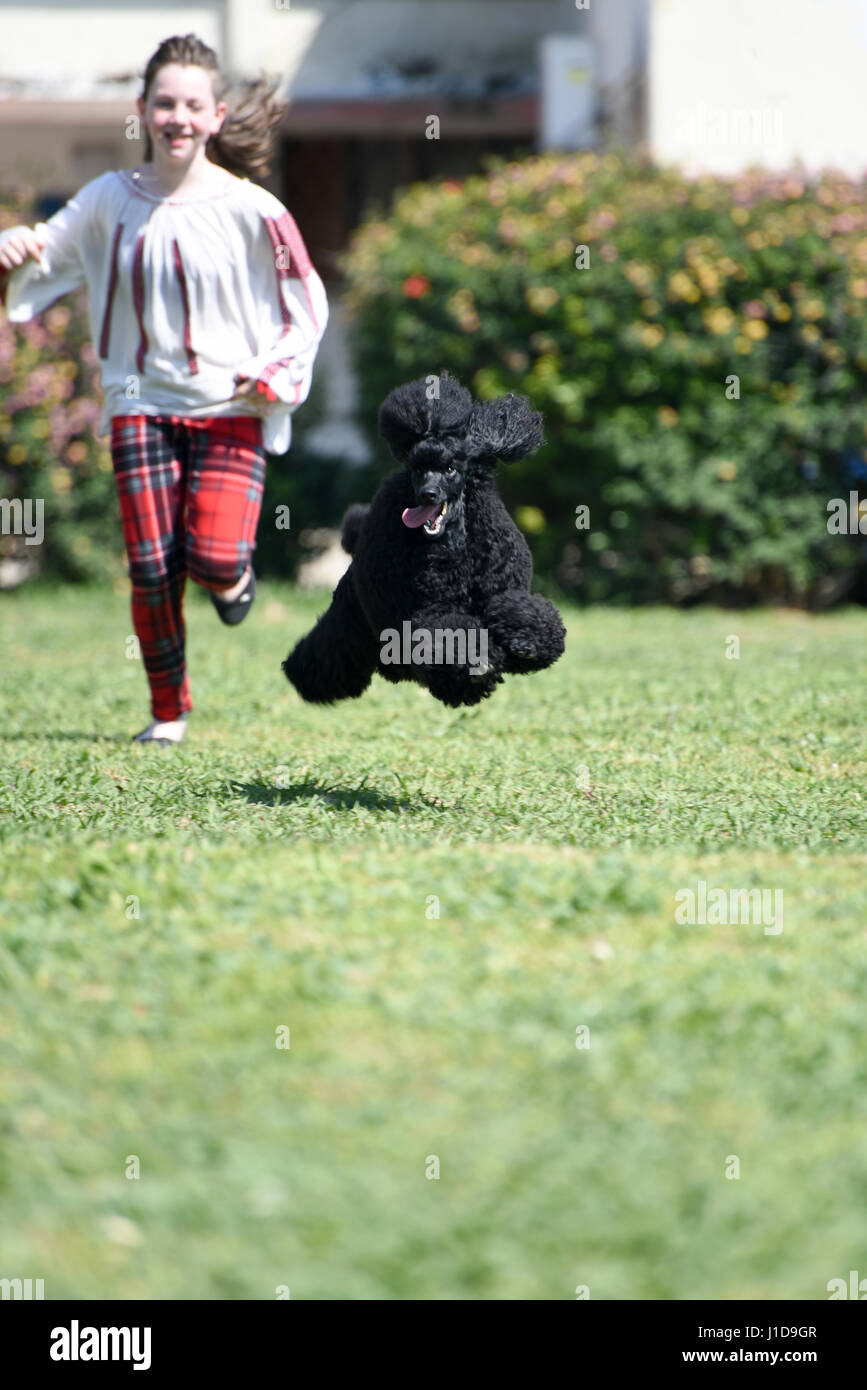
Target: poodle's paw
{"points": [[528, 628], [462, 686], [524, 650], [480, 670], [522, 645]]}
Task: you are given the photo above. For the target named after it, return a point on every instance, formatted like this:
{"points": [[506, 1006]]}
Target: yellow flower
{"points": [[810, 333], [719, 320], [743, 345], [477, 254], [727, 471], [708, 280], [667, 416], [783, 313], [460, 302], [812, 309], [739, 216], [650, 307], [17, 453], [651, 334], [680, 286], [530, 519], [61, 479], [541, 298], [756, 329], [638, 275]]}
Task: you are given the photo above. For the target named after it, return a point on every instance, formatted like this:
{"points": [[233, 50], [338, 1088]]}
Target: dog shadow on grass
{"points": [[341, 798]]}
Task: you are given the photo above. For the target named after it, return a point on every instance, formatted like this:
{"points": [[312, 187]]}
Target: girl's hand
{"points": [[245, 384], [17, 248]]}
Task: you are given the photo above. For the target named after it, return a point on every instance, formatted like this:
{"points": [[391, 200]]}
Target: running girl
{"points": [[206, 315]]}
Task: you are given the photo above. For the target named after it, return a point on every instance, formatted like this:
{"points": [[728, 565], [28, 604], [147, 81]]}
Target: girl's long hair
{"points": [[243, 144]]}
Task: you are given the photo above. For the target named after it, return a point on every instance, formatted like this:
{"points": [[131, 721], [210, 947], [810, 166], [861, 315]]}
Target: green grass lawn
{"points": [[432, 902]]}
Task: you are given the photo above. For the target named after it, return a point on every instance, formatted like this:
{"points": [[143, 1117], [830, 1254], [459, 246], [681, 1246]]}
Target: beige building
{"points": [[710, 85], [363, 79]]}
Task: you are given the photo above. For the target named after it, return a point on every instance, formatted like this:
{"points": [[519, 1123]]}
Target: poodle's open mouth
{"points": [[432, 519]]}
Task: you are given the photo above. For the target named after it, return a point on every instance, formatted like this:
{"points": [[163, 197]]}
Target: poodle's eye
{"points": [[451, 471]]}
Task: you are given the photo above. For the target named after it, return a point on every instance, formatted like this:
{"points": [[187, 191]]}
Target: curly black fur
{"points": [[469, 572]]}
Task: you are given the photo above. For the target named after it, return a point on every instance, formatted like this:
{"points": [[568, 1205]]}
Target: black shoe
{"points": [[237, 610]]}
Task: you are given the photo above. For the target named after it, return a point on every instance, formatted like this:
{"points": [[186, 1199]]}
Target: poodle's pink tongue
{"points": [[417, 516]]}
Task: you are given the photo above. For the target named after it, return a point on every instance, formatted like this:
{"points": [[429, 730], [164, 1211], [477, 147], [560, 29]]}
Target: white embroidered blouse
{"points": [[184, 294]]}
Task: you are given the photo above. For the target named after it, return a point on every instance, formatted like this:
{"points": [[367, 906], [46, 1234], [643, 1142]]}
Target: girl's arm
{"points": [[39, 264], [284, 370]]}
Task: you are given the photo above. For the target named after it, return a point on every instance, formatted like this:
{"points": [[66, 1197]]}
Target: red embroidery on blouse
{"points": [[109, 296], [286, 237], [188, 344], [290, 259], [138, 300]]}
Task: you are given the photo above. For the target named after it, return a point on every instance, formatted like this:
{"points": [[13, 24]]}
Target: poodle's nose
{"points": [[428, 492]]}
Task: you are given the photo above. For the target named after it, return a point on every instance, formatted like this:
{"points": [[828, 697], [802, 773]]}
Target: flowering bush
{"points": [[698, 349], [50, 408]]}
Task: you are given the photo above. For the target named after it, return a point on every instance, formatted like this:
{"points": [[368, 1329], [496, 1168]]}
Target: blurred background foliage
{"points": [[628, 347], [692, 494]]}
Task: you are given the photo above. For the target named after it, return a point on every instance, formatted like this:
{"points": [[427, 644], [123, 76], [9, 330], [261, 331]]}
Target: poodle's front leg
{"points": [[336, 660], [527, 627], [449, 652]]}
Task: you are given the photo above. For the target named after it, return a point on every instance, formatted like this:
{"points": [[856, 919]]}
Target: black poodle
{"points": [[438, 591]]}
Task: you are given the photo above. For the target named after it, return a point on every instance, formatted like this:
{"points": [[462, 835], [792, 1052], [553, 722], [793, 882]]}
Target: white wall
{"points": [[327, 50], [740, 82], [323, 49], [64, 49]]}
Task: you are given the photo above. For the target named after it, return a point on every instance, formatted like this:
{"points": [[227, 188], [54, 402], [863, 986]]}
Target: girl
{"points": [[206, 314]]}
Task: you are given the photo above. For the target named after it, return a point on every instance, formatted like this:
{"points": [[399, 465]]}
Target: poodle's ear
{"points": [[508, 428], [416, 409], [398, 421]]}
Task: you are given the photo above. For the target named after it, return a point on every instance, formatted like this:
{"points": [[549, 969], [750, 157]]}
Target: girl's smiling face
{"points": [[181, 114]]}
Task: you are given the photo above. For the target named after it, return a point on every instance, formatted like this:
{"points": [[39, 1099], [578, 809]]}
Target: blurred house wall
{"points": [[70, 73], [759, 82]]}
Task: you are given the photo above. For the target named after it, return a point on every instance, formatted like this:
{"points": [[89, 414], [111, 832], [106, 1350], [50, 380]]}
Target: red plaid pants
{"points": [[190, 496]]}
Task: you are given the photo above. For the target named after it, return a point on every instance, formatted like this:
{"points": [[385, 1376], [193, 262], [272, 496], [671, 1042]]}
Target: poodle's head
{"points": [[443, 437]]}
